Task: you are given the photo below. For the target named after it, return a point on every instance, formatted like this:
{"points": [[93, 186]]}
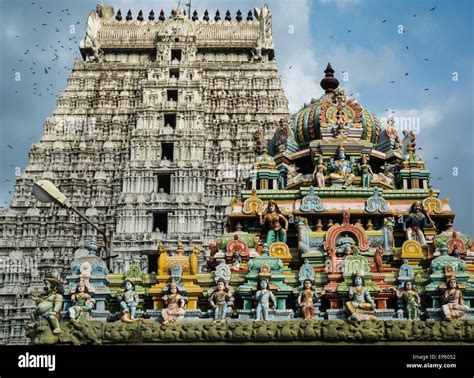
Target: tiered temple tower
{"points": [[153, 135]]}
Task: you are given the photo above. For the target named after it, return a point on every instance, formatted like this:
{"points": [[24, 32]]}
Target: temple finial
{"points": [[329, 83]]}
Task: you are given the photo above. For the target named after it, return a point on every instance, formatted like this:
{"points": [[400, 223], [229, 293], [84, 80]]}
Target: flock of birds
{"points": [[66, 44]]}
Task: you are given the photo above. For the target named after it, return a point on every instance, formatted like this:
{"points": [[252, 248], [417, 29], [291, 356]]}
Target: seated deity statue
{"points": [[359, 298], [175, 305], [320, 173], [453, 306], [220, 299], [306, 272], [341, 169], [50, 304], [411, 298], [263, 296], [82, 303], [415, 223], [127, 298], [305, 299], [274, 218]]}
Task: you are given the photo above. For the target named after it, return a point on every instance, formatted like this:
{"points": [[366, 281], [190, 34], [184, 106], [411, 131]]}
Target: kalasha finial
{"points": [[217, 17], [129, 15], [329, 83], [162, 16], [151, 15], [118, 16], [195, 16], [140, 15], [239, 16], [206, 16], [227, 16], [250, 16]]}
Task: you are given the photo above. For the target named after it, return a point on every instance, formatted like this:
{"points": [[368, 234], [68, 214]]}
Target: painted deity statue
{"points": [[128, 300], [50, 304], [411, 298], [306, 272], [388, 224], [83, 303], [453, 302], [175, 303], [275, 219], [359, 298], [365, 172], [263, 297], [415, 223], [305, 299], [342, 168], [219, 300], [320, 173]]}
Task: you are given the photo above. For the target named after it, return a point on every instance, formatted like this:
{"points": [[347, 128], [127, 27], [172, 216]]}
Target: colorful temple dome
{"points": [[322, 116]]}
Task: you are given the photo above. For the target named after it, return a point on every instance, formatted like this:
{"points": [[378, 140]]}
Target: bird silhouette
{"points": [[427, 89], [10, 147], [393, 81], [426, 59], [384, 21], [432, 9]]}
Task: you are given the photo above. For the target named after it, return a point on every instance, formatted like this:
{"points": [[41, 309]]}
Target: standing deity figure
{"points": [[83, 303], [219, 300], [50, 304], [359, 298], [342, 168], [415, 223], [175, 303], [365, 172], [388, 224], [273, 217], [411, 298], [305, 299], [340, 123], [128, 300], [453, 302], [319, 173], [378, 258], [263, 297]]}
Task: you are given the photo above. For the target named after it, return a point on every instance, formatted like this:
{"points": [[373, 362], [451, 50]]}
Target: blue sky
{"points": [[372, 55]]}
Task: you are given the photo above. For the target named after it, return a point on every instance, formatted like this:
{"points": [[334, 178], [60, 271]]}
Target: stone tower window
{"points": [[160, 222], [170, 120], [167, 151], [172, 95], [176, 54], [164, 183], [174, 72]]}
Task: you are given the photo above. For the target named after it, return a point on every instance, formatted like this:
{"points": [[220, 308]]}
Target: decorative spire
{"points": [[329, 83], [129, 15], [206, 16], [239, 16], [227, 16], [249, 16], [151, 16], [118, 16], [140, 15], [195, 16], [162, 16], [217, 17]]}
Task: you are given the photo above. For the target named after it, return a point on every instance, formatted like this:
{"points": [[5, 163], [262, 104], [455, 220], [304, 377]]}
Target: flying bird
{"points": [[349, 31], [407, 47], [432, 9], [436, 158], [393, 81], [427, 89], [384, 21], [406, 73], [426, 59], [10, 147]]}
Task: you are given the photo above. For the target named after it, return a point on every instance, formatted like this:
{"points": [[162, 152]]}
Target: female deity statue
{"points": [[359, 298], [128, 300], [82, 303], [219, 300], [175, 303], [273, 217], [342, 168], [305, 299], [453, 302], [50, 304], [319, 173], [388, 224], [263, 297], [411, 298], [365, 172]]}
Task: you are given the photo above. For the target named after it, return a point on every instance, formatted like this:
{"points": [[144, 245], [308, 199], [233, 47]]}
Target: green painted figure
{"points": [[275, 219], [411, 299], [50, 304], [366, 172]]}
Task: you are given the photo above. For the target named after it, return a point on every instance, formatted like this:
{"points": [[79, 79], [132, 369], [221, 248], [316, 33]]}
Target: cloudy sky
{"points": [[412, 58]]}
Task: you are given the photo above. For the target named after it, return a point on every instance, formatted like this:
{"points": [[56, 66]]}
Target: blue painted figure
{"points": [[274, 218], [263, 296], [128, 300], [359, 298]]}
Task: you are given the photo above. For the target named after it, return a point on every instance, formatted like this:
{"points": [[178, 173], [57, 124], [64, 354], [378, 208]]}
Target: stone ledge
{"points": [[290, 331]]}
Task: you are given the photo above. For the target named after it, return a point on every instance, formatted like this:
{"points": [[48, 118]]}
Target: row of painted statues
{"points": [[359, 304]]}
